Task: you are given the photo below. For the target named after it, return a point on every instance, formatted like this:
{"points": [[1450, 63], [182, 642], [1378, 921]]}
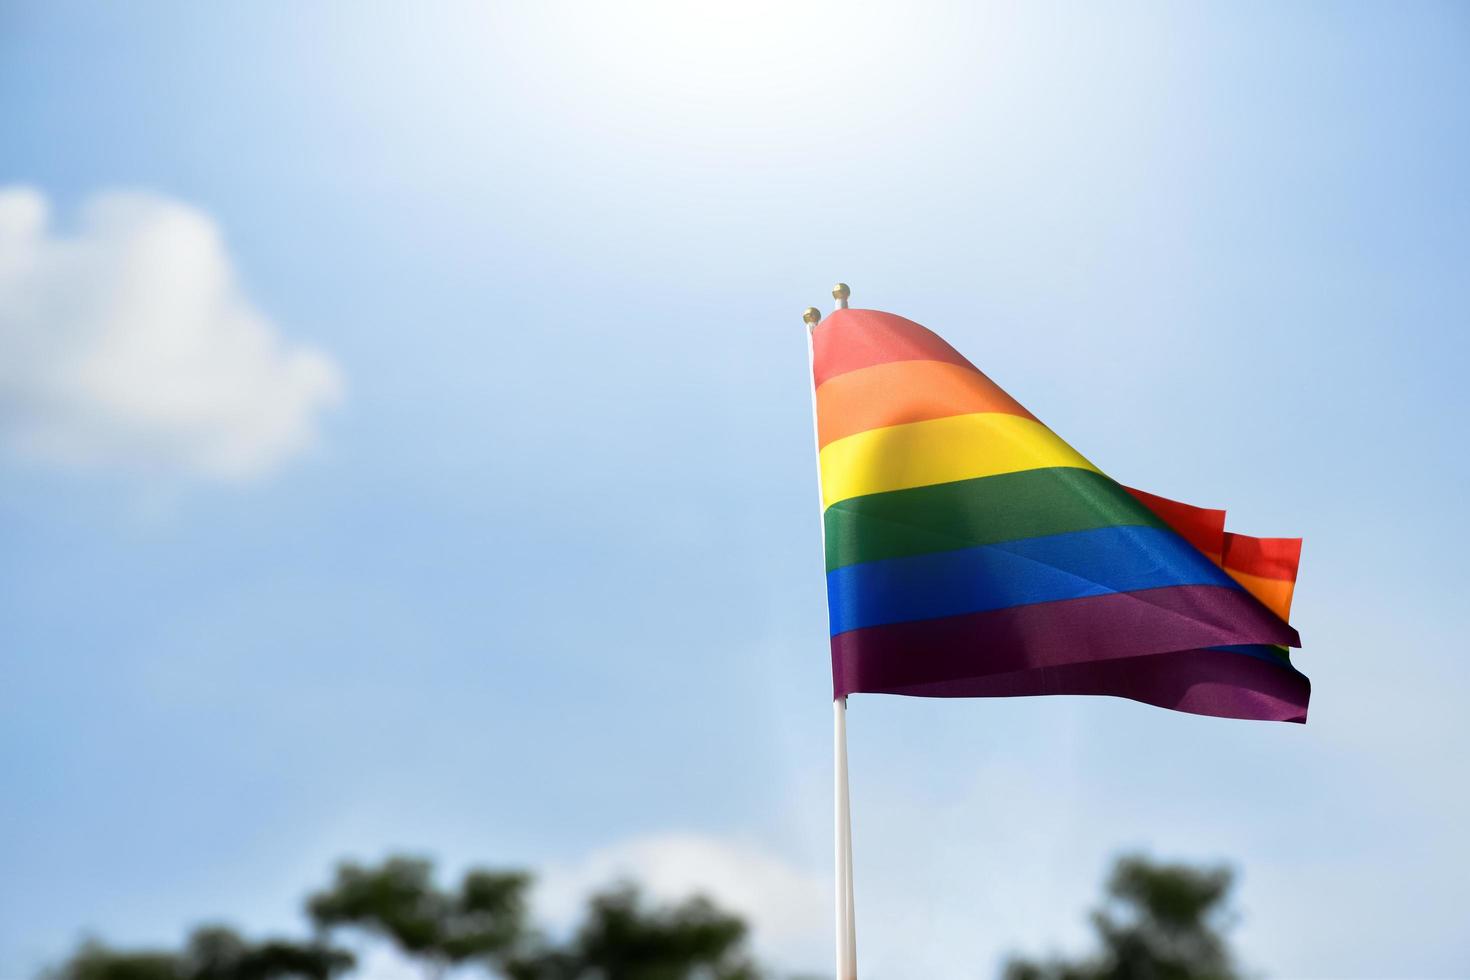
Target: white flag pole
{"points": [[841, 809], [842, 817]]}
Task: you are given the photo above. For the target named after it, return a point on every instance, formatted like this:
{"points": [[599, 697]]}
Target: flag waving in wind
{"points": [[973, 553]]}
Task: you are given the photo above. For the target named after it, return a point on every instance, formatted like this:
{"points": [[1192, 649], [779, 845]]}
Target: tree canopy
{"points": [[483, 920], [622, 939], [210, 953], [1158, 922]]}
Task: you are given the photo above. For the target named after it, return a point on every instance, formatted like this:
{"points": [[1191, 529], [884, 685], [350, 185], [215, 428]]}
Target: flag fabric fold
{"points": [[971, 552]]}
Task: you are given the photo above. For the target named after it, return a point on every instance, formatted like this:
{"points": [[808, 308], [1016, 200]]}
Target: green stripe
{"points": [[988, 510]]}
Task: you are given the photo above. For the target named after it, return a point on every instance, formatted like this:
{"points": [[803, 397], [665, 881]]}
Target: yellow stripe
{"points": [[960, 447], [1274, 593]]}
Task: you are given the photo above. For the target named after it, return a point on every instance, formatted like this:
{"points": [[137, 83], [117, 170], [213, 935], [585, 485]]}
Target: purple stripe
{"points": [[1202, 682], [1050, 634]]}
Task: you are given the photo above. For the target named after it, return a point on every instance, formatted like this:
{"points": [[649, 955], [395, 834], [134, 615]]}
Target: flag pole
{"points": [[841, 809], [842, 817]]}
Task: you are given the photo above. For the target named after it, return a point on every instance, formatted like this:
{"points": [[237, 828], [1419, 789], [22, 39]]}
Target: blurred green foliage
{"points": [[621, 939], [211, 953], [1159, 922], [483, 921]]}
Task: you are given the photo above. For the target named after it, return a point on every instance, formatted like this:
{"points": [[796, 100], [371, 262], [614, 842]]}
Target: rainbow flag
{"points": [[973, 553]]}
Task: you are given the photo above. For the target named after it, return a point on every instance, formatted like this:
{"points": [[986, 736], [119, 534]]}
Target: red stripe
{"points": [[849, 340], [1202, 527], [1267, 557]]}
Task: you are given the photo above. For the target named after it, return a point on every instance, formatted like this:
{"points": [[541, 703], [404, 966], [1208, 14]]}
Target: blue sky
{"points": [[504, 547]]}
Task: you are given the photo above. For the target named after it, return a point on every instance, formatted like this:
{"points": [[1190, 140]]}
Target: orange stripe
{"points": [[1266, 567], [1276, 558], [905, 391], [1274, 593]]}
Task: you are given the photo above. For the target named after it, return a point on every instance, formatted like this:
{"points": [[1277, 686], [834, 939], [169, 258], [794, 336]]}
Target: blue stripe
{"points": [[1014, 573]]}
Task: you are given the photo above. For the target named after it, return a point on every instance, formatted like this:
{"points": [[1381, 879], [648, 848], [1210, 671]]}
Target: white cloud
{"points": [[788, 908], [129, 344]]}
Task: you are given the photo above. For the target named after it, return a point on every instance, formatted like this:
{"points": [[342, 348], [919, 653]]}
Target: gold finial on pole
{"points": [[840, 292], [811, 315]]}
